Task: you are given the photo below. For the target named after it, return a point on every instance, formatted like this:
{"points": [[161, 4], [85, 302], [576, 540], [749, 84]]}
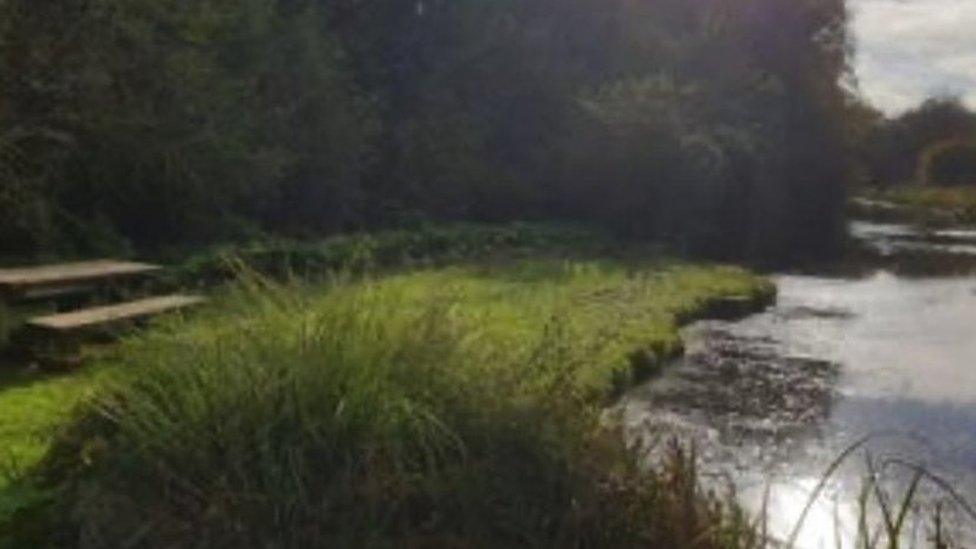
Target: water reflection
{"points": [[891, 238], [913, 339], [830, 522]]}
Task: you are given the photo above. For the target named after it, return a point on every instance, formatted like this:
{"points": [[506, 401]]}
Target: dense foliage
{"points": [[132, 123], [936, 135], [950, 163], [383, 250]]}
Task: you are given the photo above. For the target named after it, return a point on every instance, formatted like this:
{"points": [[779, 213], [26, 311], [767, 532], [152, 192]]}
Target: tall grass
{"points": [[444, 408], [892, 510]]}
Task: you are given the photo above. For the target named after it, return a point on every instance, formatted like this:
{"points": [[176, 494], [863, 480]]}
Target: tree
{"points": [[949, 163], [896, 146], [718, 129]]}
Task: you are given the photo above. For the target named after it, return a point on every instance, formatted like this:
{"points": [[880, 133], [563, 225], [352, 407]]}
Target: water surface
{"points": [[771, 400]]}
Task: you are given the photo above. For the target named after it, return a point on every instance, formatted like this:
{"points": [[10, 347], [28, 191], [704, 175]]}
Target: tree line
{"points": [[931, 144], [718, 128]]}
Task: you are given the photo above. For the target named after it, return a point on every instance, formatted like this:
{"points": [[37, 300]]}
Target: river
{"points": [[772, 400]]}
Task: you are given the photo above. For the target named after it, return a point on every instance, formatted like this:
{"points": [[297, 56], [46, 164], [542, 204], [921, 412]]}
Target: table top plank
{"points": [[85, 318], [68, 273]]}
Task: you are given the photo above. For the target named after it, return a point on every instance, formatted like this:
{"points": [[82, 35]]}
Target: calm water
{"points": [[772, 400]]}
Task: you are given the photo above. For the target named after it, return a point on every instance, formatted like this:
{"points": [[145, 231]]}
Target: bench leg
{"points": [[55, 351]]}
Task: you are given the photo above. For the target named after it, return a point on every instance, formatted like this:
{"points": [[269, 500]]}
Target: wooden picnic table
{"points": [[47, 280], [57, 338]]}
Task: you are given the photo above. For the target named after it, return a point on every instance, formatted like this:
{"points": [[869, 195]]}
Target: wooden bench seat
{"points": [[109, 315], [52, 280]]}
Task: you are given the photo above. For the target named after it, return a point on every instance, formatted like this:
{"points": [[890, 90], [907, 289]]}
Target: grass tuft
{"points": [[449, 407]]}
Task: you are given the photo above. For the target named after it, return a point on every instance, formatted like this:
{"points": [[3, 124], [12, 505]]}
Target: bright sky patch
{"points": [[912, 49]]}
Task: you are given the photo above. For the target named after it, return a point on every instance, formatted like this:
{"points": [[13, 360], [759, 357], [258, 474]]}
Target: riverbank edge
{"points": [[650, 362], [940, 207], [646, 362]]}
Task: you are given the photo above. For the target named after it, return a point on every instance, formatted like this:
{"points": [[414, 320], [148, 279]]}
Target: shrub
{"points": [[950, 164], [425, 245]]}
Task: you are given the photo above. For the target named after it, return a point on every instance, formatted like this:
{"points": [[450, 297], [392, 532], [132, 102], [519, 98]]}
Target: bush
{"points": [[950, 164], [426, 245]]}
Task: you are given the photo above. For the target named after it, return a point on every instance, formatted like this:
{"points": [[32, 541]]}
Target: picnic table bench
{"points": [[63, 331], [53, 280], [108, 315]]}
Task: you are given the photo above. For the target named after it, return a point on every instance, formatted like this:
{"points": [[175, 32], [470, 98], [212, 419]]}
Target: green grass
{"points": [[32, 408], [445, 407]]}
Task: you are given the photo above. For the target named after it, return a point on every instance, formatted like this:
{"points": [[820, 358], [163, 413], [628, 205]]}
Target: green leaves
{"points": [[195, 122]]}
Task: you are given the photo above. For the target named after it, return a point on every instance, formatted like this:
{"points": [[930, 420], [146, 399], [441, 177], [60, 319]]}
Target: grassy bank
{"points": [[920, 204], [445, 407]]}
